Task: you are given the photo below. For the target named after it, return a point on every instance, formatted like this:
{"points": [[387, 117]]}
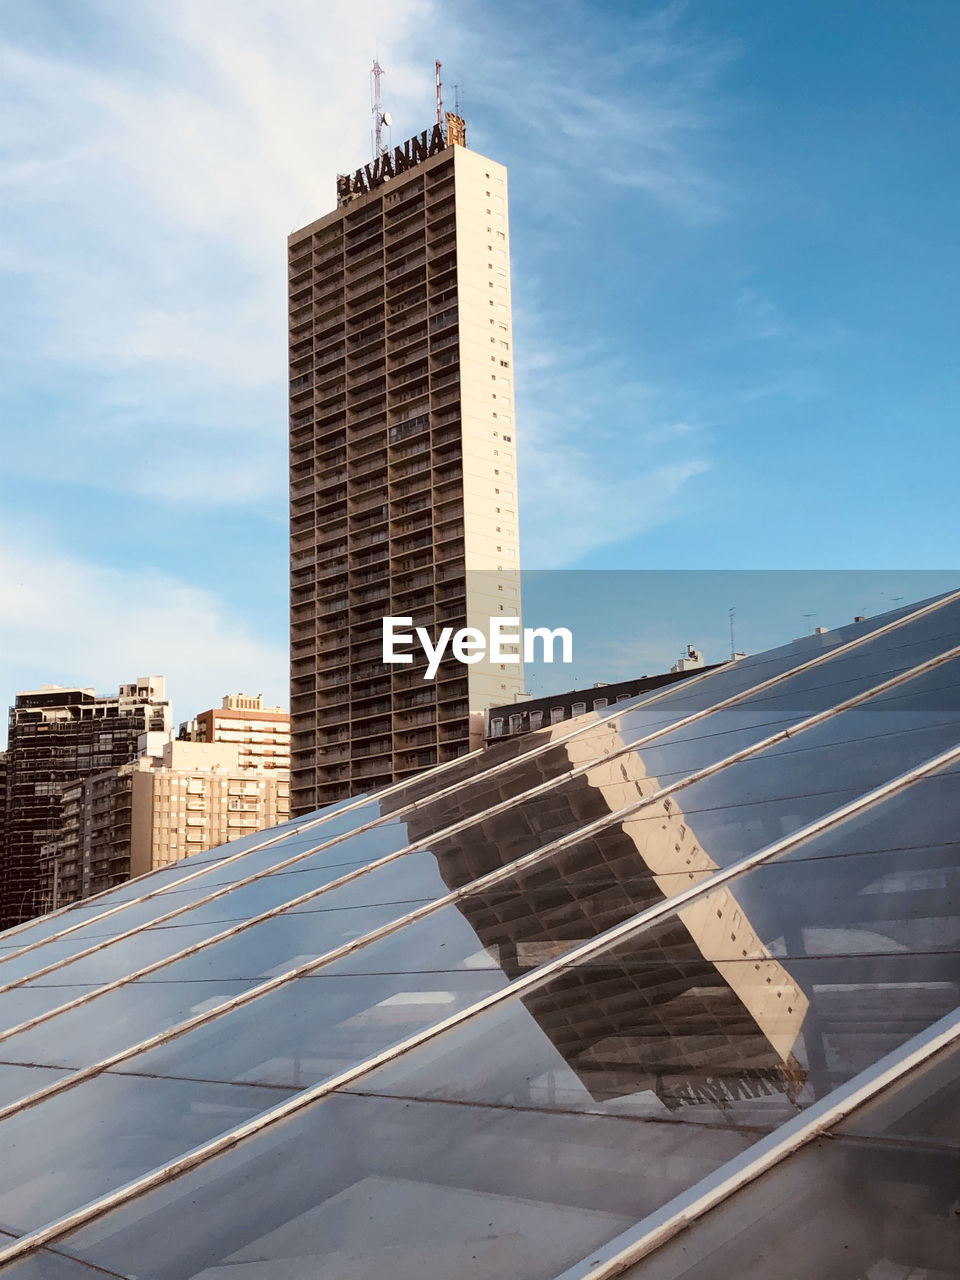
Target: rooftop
{"points": [[534, 1013]]}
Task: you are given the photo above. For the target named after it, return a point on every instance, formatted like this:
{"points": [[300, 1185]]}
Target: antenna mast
{"points": [[380, 117], [439, 98]]}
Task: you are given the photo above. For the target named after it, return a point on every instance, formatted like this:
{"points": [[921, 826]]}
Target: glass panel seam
{"points": [[199, 1155], [659, 1227], [493, 877], [697, 775], [644, 701]]}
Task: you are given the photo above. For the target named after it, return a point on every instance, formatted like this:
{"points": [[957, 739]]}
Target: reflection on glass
{"points": [[67, 1155], [782, 983], [362, 1187], [879, 1210]]}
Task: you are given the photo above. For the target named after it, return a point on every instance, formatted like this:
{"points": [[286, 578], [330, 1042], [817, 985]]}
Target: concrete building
{"points": [[513, 719], [3, 804], [261, 733], [402, 462], [692, 660], [57, 735], [177, 799]]}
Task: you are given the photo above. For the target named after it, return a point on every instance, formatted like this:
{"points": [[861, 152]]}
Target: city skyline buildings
{"points": [[176, 799], [78, 813], [57, 735], [403, 470]]}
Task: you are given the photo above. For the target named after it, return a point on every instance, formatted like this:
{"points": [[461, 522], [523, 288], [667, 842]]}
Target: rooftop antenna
{"points": [[733, 647], [458, 99], [380, 117], [439, 96]]}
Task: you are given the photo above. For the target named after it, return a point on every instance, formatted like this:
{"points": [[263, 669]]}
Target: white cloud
{"points": [[147, 200], [601, 457], [67, 621], [614, 99], [573, 505]]}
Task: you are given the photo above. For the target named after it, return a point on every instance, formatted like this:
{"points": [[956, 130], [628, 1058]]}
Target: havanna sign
{"points": [[373, 175]]}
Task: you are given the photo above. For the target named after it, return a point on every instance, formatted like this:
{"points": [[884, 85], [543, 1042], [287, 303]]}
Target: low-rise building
{"points": [[535, 713], [261, 733]]}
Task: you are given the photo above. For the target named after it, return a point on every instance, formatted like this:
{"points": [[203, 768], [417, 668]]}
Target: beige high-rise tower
{"points": [[403, 474]]}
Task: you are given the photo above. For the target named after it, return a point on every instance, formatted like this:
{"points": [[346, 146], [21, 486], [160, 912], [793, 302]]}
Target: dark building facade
{"points": [[516, 718], [402, 467], [56, 736]]}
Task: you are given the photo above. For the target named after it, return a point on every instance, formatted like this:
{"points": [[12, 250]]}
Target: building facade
{"points": [[402, 463], [177, 799], [531, 714], [261, 733], [57, 735]]}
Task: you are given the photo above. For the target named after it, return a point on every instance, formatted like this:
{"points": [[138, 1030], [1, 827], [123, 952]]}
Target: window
{"points": [[578, 709], [556, 715]]}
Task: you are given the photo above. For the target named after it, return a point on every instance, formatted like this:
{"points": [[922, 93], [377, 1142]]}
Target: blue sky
{"points": [[735, 274]]}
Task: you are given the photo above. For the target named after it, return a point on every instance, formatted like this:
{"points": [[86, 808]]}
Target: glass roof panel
{"points": [[924, 1105], [881, 1208], [927, 632], [47, 1265], [416, 1191], [315, 1027], [20, 1003], [126, 1125], [18, 1082], [107, 1024], [666, 1052], [85, 1035], [703, 749], [786, 980]]}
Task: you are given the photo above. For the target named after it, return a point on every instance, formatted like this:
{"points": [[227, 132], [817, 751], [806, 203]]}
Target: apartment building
{"points": [[57, 735], [262, 734], [402, 462], [177, 799]]}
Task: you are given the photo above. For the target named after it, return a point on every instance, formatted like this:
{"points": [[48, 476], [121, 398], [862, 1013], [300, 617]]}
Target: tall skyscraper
{"points": [[402, 462], [56, 736]]}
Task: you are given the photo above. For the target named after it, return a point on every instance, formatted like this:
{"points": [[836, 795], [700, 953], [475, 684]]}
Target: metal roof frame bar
{"points": [[620, 709], [198, 1155], [444, 833], [637, 1243], [482, 882]]}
